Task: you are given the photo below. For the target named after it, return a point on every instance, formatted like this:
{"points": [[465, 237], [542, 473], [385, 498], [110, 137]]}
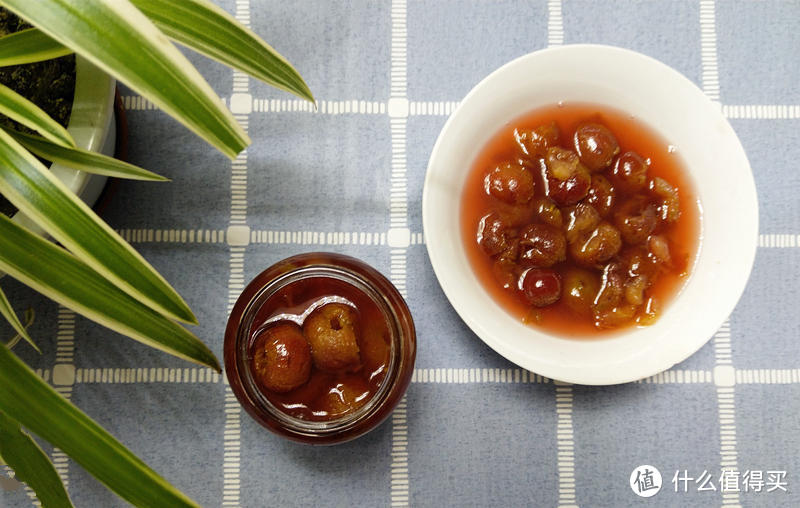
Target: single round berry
{"points": [[629, 173], [601, 195], [332, 333], [510, 182], [281, 358], [596, 146], [542, 245], [540, 286]]}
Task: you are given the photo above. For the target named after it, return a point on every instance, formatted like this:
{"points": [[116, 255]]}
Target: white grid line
{"points": [[728, 454], [476, 376], [432, 108], [399, 455], [263, 236], [137, 103], [243, 12], [231, 465], [146, 375], [565, 443], [555, 23], [317, 237], [762, 111], [778, 241], [398, 201], [446, 108], [397, 270], [725, 379], [434, 375], [65, 336], [679, 376], [63, 378], [231, 485], [238, 186], [198, 235], [397, 109], [722, 344], [399, 50], [724, 373], [767, 376], [708, 49], [320, 107]]}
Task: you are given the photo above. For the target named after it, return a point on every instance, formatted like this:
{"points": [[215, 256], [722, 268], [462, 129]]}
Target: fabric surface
{"points": [[474, 429]]}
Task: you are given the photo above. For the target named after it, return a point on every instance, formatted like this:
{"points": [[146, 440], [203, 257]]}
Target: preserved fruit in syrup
{"points": [[580, 216], [335, 352]]}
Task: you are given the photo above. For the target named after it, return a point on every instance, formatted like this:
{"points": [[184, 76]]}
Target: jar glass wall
{"points": [[340, 402]]}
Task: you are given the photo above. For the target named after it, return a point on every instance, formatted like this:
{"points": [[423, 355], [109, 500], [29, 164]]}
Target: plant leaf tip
{"points": [[187, 317]]}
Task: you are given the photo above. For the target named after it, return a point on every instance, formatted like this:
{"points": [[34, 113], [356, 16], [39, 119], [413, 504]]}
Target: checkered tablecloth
{"points": [[473, 429]]}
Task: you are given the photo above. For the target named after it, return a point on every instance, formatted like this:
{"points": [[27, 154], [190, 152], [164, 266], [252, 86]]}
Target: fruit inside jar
{"points": [[319, 348]]}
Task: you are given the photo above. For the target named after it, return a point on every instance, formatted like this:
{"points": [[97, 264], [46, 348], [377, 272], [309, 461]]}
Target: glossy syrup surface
{"points": [[478, 202], [328, 393]]}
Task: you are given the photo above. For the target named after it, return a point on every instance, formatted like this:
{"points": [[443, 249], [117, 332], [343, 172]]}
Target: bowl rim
{"points": [[618, 373]]}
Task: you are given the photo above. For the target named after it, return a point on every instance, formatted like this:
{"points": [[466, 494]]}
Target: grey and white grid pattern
{"points": [[473, 430]]}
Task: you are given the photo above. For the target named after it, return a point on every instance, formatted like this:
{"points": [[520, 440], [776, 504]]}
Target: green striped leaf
{"points": [[84, 160], [118, 38], [31, 464], [39, 408], [28, 46], [64, 278], [8, 312], [208, 29], [18, 108], [29, 317], [27, 184]]}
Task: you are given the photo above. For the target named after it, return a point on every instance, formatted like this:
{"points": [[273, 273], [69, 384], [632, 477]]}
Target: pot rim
{"points": [[90, 124]]}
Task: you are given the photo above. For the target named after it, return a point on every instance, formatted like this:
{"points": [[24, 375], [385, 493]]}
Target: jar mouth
{"points": [[300, 427]]}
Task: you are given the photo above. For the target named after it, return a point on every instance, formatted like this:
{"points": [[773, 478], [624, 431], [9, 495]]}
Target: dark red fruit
{"points": [[534, 143], [540, 286], [629, 173], [542, 246], [601, 195], [596, 146], [511, 183]]}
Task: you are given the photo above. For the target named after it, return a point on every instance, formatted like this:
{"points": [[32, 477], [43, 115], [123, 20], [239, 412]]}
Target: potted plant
{"points": [[93, 129], [60, 86], [91, 269]]}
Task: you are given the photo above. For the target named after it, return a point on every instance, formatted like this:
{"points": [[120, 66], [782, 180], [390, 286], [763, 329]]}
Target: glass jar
{"points": [[269, 291]]}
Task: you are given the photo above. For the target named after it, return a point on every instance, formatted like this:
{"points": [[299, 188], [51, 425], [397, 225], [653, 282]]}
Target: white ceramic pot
{"points": [[92, 125]]}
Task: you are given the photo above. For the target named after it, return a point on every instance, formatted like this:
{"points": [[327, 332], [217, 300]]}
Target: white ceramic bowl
{"points": [[680, 112]]}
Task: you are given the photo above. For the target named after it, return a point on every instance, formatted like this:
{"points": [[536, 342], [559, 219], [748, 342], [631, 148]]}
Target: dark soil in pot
{"points": [[49, 84]]}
